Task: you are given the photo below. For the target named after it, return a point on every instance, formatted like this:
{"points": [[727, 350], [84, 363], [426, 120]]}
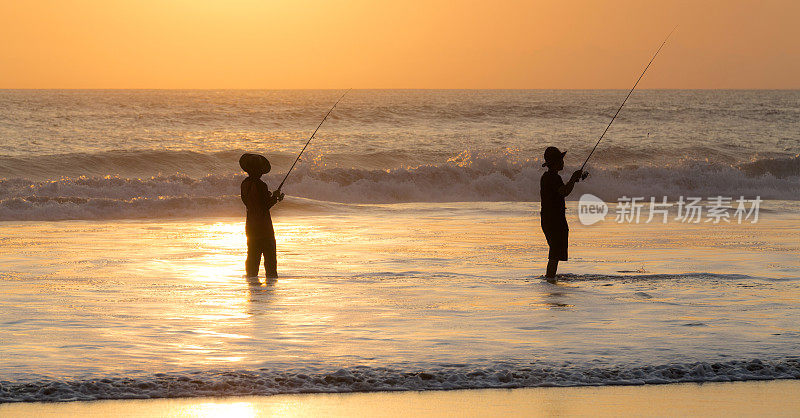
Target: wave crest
{"points": [[500, 176]]}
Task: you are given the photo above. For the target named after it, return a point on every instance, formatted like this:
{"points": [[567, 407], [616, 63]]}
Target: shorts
{"points": [[557, 233]]}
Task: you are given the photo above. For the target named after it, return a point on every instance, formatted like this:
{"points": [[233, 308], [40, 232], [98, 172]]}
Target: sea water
{"points": [[409, 245]]}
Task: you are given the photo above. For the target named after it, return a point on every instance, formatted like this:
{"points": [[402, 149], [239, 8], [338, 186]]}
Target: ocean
{"points": [[409, 248]]}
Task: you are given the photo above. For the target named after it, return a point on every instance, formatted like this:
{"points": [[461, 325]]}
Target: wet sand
{"points": [[759, 398]]}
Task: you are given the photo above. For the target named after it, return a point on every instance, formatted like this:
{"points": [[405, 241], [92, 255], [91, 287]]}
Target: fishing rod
{"points": [[309, 139], [626, 99]]}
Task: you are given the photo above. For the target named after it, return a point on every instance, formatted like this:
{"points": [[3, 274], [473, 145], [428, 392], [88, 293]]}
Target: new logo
{"points": [[591, 209]]}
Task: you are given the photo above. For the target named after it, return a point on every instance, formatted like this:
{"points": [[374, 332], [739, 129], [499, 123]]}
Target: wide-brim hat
{"points": [[254, 163], [552, 154]]}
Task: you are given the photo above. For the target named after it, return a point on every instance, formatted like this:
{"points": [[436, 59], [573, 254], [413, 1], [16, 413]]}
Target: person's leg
{"points": [[552, 266], [270, 257], [557, 240], [253, 257]]}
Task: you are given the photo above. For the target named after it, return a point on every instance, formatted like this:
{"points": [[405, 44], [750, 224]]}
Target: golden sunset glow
{"points": [[408, 44]]}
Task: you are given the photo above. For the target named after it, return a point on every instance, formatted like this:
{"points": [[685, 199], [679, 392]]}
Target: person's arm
{"points": [[273, 198], [245, 189], [566, 189]]}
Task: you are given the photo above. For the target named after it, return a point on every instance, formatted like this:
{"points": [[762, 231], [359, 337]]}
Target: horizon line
{"points": [[391, 88]]}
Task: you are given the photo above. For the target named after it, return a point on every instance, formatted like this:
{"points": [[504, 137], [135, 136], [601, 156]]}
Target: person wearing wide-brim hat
{"points": [[554, 218], [258, 227]]}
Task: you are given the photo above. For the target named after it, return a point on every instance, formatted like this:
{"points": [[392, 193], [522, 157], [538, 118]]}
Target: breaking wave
{"points": [[468, 177], [369, 379]]}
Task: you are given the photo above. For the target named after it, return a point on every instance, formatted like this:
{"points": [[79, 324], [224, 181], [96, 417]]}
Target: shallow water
{"points": [[383, 292]]}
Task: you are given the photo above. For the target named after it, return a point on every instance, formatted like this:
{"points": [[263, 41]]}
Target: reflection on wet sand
{"points": [[260, 295]]}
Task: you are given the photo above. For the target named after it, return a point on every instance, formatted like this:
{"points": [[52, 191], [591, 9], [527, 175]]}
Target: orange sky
{"points": [[397, 44]]}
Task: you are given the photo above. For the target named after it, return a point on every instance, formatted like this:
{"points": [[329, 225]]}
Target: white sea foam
{"points": [[370, 379], [468, 177]]}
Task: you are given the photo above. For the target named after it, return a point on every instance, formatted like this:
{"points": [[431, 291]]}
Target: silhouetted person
{"points": [[554, 219], [258, 199]]}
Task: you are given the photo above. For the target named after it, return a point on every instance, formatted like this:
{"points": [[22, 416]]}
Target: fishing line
{"points": [[626, 98], [309, 139]]}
